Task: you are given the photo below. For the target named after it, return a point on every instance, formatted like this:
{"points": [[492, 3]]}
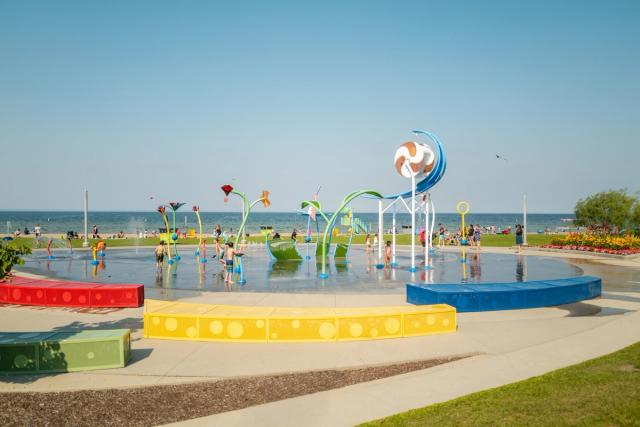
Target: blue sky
{"points": [[170, 100]]}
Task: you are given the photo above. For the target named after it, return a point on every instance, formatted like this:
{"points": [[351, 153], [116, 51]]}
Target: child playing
{"points": [[219, 251], [387, 254], [160, 251], [101, 246], [229, 257]]}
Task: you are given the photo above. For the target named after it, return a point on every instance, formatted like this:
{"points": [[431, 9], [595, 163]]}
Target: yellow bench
{"points": [[209, 322]]}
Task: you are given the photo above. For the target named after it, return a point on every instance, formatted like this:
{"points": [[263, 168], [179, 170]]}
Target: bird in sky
{"points": [[499, 157]]}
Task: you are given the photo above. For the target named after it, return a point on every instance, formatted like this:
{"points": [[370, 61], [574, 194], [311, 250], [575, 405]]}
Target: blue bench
{"points": [[506, 296]]}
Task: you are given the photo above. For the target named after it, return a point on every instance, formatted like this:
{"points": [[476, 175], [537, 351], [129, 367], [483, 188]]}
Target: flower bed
{"points": [[618, 245]]}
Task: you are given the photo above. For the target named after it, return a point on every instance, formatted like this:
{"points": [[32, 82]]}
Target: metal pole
{"points": [[413, 224], [393, 238], [524, 209], [86, 219], [426, 234], [380, 234]]}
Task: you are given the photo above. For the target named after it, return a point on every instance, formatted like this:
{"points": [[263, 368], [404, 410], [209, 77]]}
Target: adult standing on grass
{"points": [[38, 232], [519, 237], [94, 231]]}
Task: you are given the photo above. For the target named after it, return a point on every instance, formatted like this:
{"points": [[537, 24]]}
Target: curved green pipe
{"points": [[166, 223], [331, 221], [247, 209], [175, 247]]}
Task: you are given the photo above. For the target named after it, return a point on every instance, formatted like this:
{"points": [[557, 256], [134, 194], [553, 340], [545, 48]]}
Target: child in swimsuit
{"points": [[387, 254], [160, 251], [101, 246], [229, 255]]}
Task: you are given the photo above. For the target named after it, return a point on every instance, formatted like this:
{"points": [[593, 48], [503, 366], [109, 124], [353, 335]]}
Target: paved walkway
{"points": [[512, 345]]}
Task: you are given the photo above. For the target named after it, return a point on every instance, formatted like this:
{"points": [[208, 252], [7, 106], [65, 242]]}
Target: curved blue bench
{"points": [[506, 296]]}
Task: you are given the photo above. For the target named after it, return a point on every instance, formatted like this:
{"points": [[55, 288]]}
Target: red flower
{"points": [[227, 189]]}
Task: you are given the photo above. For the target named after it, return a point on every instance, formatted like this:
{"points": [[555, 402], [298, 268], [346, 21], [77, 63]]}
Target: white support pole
{"points": [[413, 224], [380, 234], [433, 222], [524, 225], [393, 238], [426, 233], [86, 219]]}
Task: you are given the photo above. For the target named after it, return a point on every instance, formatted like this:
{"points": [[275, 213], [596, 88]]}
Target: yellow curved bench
{"points": [[208, 322]]}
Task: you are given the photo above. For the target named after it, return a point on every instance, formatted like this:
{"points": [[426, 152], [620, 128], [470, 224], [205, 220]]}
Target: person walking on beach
{"points": [[160, 251], [94, 232], [519, 237], [294, 235]]}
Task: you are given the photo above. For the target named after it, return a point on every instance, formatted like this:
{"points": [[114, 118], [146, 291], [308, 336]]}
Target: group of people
{"points": [[225, 252]]}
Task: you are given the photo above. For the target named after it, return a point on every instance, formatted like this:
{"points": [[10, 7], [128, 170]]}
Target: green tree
{"points": [[635, 217], [606, 210]]}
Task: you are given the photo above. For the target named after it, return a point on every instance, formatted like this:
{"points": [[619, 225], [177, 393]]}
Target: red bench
{"points": [[58, 293]]}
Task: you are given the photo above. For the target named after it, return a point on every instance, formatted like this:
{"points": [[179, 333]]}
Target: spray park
{"points": [[323, 304]]}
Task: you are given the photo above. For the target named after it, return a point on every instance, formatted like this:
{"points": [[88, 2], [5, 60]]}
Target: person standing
{"points": [[470, 232], [294, 235], [230, 255], [387, 254], [441, 230], [477, 234], [519, 237], [94, 232], [38, 232], [160, 251]]}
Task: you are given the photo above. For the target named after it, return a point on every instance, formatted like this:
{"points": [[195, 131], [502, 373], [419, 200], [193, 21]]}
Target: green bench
{"points": [[64, 351]]}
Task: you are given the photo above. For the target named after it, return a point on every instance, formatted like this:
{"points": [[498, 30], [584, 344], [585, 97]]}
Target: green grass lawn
{"points": [[600, 392], [495, 240]]}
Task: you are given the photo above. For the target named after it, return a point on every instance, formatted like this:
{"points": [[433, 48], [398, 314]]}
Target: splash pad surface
{"points": [[356, 274]]}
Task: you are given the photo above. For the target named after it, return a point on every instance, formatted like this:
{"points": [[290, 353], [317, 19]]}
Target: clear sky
{"points": [[170, 100]]}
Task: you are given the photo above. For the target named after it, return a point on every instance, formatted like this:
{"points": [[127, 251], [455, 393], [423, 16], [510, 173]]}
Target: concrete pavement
{"points": [[513, 345]]}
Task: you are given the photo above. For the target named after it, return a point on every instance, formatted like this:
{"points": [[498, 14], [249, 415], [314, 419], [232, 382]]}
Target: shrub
{"points": [[10, 255], [597, 242]]}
